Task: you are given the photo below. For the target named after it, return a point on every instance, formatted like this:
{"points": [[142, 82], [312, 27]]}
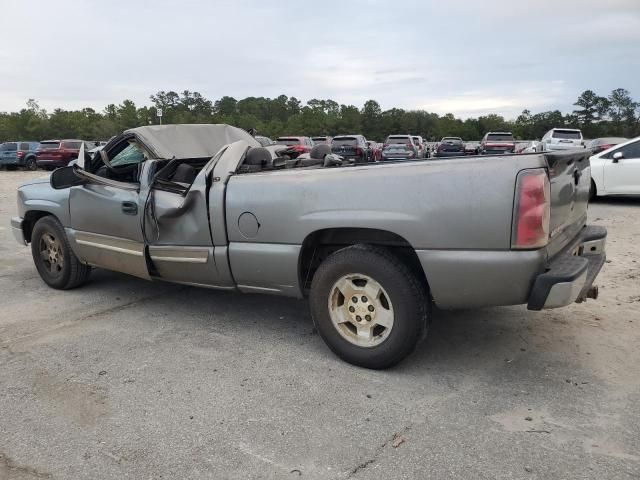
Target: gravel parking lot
{"points": [[130, 379]]}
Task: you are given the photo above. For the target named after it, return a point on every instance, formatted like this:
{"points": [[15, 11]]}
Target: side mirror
{"points": [[65, 177], [617, 157]]}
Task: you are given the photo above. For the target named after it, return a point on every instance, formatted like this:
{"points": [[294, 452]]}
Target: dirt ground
{"points": [[124, 378]]}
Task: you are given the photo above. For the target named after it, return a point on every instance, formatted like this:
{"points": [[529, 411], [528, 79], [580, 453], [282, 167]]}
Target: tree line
{"points": [[616, 114]]}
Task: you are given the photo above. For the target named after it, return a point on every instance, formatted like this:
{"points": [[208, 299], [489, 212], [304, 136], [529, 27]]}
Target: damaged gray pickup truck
{"points": [[373, 245]]}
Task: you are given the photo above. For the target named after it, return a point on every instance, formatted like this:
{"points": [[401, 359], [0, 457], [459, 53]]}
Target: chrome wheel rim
{"points": [[51, 254], [361, 310]]}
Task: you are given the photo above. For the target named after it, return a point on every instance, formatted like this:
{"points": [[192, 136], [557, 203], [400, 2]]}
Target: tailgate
{"points": [[49, 155], [344, 149], [451, 146], [570, 177]]}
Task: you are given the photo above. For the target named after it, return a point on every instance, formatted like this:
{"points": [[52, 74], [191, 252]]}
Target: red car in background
{"points": [[299, 144], [57, 153], [497, 142]]}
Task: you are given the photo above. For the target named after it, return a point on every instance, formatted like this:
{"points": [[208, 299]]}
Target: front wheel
{"points": [[56, 263], [368, 306]]}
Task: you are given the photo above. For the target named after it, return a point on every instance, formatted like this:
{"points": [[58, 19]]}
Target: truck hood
{"points": [[35, 181]]}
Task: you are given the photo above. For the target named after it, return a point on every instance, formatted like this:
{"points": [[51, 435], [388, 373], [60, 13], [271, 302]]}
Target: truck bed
{"points": [[456, 214]]}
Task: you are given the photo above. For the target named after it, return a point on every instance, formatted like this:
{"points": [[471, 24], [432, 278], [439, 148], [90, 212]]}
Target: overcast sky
{"points": [[495, 56]]}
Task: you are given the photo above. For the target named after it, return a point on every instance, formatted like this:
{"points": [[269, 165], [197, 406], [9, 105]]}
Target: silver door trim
{"points": [[106, 242], [179, 254]]}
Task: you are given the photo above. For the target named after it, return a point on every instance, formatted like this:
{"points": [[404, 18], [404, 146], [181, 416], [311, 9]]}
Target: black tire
{"points": [[31, 164], [592, 191], [407, 294], [64, 275]]}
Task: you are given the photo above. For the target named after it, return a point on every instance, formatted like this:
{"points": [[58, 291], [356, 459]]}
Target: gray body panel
{"points": [[246, 231], [189, 141], [111, 239], [38, 196], [456, 214], [471, 278], [454, 204]]}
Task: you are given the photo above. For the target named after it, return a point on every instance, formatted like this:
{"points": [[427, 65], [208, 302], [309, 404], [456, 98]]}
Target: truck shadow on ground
{"points": [[463, 339]]}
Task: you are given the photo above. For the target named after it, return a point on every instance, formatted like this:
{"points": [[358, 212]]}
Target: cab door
{"points": [[186, 234], [622, 175], [106, 213]]}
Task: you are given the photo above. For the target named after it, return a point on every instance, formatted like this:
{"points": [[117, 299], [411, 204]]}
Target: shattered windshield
{"points": [[132, 154]]}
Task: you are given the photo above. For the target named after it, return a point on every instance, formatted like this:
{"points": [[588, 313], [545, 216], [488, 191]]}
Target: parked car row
{"points": [[19, 154], [406, 146], [47, 154]]}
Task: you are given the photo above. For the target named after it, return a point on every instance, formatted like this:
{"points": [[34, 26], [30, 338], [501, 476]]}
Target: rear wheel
{"points": [[56, 263], [31, 164], [368, 306]]}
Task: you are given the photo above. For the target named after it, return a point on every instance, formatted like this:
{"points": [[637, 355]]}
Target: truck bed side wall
{"points": [[445, 209]]}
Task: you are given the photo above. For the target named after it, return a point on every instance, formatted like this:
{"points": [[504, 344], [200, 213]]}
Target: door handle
{"points": [[129, 208]]}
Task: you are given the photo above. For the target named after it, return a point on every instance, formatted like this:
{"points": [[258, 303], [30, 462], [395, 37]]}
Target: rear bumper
{"points": [[450, 154], [16, 229], [52, 163], [485, 278], [9, 161], [497, 151], [570, 274], [396, 157], [560, 147]]}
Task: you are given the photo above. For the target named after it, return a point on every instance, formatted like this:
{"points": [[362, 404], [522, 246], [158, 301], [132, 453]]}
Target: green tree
{"points": [[371, 116], [590, 105]]}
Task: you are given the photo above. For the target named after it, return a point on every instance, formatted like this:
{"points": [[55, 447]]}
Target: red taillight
{"points": [[385, 145], [531, 210], [20, 155], [358, 151], [299, 148]]}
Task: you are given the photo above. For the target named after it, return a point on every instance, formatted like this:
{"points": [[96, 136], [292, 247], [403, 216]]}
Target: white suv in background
{"points": [[562, 139]]}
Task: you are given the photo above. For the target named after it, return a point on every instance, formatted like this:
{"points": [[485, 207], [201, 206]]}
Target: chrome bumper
{"points": [[16, 228], [570, 275]]}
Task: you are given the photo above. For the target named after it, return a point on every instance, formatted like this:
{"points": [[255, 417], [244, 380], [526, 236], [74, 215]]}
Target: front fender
{"points": [[40, 197]]}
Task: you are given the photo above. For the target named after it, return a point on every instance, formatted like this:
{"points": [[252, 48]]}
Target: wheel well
{"points": [[30, 219], [322, 243]]}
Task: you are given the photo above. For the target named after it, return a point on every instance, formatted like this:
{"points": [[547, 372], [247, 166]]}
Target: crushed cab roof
{"points": [[190, 140]]}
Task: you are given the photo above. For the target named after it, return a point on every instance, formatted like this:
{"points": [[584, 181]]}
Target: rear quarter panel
{"points": [[460, 203]]}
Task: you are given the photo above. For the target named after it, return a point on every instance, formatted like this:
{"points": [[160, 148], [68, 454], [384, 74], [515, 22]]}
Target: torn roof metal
{"points": [[189, 140]]}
